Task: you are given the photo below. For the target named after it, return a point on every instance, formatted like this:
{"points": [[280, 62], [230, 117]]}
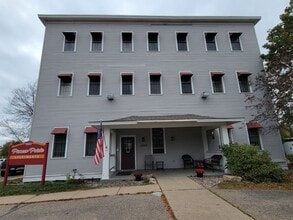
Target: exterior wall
{"points": [[76, 111]]}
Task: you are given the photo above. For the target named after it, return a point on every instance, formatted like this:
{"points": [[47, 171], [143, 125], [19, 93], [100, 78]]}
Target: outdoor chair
{"points": [[213, 162], [188, 161], [148, 161]]}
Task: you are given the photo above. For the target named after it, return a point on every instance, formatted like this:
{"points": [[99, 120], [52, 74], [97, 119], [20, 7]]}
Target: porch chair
{"points": [[148, 161], [213, 161], [188, 161]]}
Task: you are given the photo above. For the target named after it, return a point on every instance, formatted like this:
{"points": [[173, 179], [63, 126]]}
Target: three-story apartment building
{"points": [[162, 86]]}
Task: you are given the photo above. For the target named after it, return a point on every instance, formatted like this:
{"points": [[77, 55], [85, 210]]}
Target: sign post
{"points": [[27, 153]]}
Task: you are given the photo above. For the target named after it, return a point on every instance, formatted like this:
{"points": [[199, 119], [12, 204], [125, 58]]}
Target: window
{"points": [[69, 41], [243, 81], [127, 84], [211, 41], [97, 41], [217, 82], [155, 84], [94, 84], [127, 45], [186, 83], [253, 134], [235, 41], [65, 84], [158, 140], [91, 141], [153, 41], [59, 142], [181, 41]]}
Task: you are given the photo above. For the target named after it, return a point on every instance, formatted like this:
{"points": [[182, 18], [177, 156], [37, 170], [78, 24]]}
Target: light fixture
{"points": [[172, 138], [204, 95], [110, 96]]}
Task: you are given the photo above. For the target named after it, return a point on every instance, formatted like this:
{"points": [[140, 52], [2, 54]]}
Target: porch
{"points": [[165, 138]]}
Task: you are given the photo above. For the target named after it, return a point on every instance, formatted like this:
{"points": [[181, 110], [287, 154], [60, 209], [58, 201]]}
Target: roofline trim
{"points": [[142, 18]]}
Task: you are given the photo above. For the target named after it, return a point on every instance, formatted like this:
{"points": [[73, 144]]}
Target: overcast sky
{"points": [[21, 32]]}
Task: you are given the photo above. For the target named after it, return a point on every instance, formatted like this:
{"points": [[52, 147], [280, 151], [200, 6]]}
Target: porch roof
{"points": [[185, 120]]}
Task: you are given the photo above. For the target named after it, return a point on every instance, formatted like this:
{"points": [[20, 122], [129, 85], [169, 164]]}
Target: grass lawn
{"points": [[286, 185], [16, 187]]}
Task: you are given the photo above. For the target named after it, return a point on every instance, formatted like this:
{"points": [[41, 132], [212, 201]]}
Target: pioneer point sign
{"points": [[27, 153]]}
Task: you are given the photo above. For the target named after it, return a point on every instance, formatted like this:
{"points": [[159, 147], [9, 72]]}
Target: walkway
{"points": [[189, 200]]}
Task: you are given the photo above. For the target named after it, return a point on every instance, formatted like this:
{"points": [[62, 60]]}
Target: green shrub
{"points": [[252, 164], [290, 157]]}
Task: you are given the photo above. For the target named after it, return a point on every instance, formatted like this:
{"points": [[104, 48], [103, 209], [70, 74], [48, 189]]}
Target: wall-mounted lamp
{"points": [[172, 138], [143, 139], [110, 96], [204, 95]]}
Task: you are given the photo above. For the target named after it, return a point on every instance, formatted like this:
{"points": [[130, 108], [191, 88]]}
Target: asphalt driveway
{"points": [[260, 204]]}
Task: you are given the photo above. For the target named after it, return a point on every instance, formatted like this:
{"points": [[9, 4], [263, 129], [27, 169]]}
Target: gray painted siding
{"points": [[76, 111]]}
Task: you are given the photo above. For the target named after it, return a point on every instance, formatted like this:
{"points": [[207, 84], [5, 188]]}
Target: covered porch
{"points": [[128, 141]]}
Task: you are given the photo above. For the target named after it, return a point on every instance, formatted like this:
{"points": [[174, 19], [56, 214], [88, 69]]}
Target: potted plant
{"points": [[138, 176], [199, 172]]}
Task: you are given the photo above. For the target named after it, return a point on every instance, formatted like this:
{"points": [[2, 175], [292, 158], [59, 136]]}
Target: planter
{"points": [[199, 174]]}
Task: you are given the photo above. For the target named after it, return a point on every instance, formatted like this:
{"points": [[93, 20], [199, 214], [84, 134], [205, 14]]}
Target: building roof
{"points": [[157, 19]]}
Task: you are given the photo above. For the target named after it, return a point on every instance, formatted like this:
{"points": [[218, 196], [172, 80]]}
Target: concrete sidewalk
{"points": [[80, 194], [189, 200]]}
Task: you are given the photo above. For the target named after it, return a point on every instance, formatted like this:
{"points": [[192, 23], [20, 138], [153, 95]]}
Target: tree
{"points": [[4, 149], [277, 79], [19, 111]]}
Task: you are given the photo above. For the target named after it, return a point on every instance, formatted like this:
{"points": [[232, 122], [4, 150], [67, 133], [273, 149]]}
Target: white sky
{"points": [[21, 32]]}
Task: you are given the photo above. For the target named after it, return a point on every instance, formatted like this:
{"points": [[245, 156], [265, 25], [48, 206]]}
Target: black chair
{"points": [[188, 161], [213, 162]]}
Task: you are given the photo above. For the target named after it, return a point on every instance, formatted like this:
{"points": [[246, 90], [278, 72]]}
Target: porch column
{"points": [[224, 140], [106, 159]]}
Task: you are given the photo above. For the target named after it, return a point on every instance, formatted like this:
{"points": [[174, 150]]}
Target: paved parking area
{"points": [[261, 204]]}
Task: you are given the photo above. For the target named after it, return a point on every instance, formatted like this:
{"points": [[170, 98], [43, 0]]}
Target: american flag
{"points": [[100, 145]]}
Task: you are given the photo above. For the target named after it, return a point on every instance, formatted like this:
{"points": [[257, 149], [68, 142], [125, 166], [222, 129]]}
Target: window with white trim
{"points": [[126, 84], [254, 138], [210, 39], [155, 84], [65, 84], [181, 39], [127, 42], [90, 144], [94, 84], [97, 41], [69, 41], [153, 41], [243, 80], [59, 145], [217, 82], [158, 141], [186, 83], [235, 41]]}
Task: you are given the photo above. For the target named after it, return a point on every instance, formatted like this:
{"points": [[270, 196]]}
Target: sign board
{"points": [[27, 153]]}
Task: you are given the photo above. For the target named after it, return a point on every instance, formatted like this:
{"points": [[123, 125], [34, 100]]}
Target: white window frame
{"points": [[66, 145], [222, 81], [133, 89], [147, 37], [164, 137], [238, 84], [132, 42], [84, 144], [161, 82], [91, 42], [240, 40], [216, 41], [59, 85], [187, 41], [75, 43], [180, 73], [88, 83]]}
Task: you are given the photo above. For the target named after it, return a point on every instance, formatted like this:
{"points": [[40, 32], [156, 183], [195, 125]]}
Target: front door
{"points": [[127, 153]]}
